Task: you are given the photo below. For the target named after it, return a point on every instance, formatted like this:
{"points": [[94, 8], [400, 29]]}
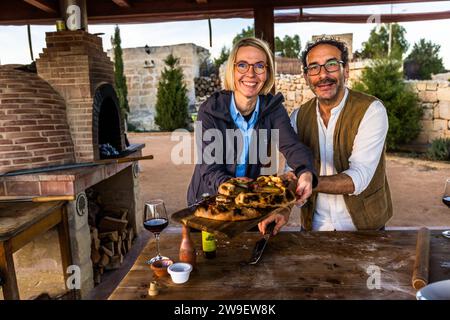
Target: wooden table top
{"points": [[295, 265], [18, 216]]}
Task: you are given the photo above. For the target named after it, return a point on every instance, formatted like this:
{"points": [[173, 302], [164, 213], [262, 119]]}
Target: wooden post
{"points": [[10, 289], [64, 242], [264, 27]]}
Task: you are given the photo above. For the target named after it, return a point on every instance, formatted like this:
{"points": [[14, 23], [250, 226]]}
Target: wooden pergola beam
{"points": [[43, 5], [147, 11], [361, 18], [122, 3]]}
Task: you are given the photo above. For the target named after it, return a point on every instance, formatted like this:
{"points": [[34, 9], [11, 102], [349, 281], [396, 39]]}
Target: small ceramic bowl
{"points": [[159, 267], [179, 272]]}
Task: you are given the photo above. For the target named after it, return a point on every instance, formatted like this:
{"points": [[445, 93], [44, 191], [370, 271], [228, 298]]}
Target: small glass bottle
{"points": [[187, 249], [208, 245]]}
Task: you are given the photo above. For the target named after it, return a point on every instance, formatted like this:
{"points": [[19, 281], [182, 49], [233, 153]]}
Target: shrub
{"points": [[171, 100], [384, 80], [439, 149]]}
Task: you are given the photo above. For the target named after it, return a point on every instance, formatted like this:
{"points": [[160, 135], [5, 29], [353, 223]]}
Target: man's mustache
{"points": [[326, 81]]}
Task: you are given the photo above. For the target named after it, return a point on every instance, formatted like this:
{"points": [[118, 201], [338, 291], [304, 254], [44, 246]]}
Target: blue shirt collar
{"points": [[236, 115]]}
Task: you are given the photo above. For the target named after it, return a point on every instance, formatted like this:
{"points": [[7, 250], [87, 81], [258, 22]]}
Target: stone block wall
{"points": [[143, 71], [434, 96]]}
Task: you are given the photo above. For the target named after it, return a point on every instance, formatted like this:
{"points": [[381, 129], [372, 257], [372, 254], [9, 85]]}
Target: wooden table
{"points": [[295, 265], [20, 223]]}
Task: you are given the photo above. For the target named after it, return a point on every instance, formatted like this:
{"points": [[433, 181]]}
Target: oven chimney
{"points": [[76, 66]]}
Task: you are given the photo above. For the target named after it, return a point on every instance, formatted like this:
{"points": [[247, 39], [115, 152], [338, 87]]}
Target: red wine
{"points": [[446, 201], [156, 225]]}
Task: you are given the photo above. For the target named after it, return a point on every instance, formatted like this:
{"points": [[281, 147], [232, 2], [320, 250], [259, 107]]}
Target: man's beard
{"points": [[332, 99]]}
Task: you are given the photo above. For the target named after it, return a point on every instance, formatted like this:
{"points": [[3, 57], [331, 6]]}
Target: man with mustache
{"points": [[346, 131]]}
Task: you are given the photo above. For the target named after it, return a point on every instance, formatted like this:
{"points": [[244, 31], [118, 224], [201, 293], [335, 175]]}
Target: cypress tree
{"points": [[119, 77], [171, 99]]}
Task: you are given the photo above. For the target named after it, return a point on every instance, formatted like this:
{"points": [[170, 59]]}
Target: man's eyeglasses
{"points": [[242, 67], [330, 66]]}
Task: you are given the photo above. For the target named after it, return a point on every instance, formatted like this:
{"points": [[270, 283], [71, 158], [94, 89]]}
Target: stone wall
{"points": [[143, 71], [434, 97]]}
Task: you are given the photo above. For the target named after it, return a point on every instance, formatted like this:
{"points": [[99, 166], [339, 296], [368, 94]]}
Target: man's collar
{"points": [[339, 106]]}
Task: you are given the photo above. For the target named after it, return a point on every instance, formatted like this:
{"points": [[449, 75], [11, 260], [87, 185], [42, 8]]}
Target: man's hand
{"points": [[289, 176], [280, 216], [304, 187]]}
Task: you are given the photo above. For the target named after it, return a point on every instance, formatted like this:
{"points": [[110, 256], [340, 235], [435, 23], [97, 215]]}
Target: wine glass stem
{"points": [[157, 244]]}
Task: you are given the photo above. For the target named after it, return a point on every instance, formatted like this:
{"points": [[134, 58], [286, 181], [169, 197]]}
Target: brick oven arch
{"points": [[107, 122]]}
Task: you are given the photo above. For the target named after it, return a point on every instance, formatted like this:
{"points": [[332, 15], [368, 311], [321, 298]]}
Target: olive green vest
{"points": [[372, 208]]}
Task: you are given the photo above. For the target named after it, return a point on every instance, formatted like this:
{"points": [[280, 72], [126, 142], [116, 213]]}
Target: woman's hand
{"points": [[304, 188], [280, 216]]}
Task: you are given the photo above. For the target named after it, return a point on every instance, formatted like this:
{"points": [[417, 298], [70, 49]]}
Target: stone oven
{"points": [[55, 122]]}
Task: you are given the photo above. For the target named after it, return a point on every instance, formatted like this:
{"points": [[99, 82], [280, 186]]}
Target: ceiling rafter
{"points": [[122, 3], [361, 18], [43, 5], [148, 11]]}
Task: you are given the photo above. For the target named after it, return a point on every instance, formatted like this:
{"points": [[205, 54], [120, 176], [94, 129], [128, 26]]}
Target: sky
{"points": [[15, 42]]}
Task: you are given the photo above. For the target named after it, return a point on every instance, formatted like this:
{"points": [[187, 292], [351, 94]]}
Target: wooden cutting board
{"points": [[229, 229]]}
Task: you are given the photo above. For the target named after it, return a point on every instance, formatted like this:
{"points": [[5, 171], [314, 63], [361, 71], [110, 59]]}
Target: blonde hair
{"points": [[256, 43]]}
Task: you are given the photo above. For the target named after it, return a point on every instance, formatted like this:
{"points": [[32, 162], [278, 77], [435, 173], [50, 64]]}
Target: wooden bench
{"points": [[20, 223]]}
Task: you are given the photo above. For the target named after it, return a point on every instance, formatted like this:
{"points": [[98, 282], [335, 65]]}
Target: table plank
{"points": [[16, 217], [295, 265]]}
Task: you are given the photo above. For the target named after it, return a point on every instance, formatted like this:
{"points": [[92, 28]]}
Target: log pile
{"points": [[205, 86], [111, 236]]}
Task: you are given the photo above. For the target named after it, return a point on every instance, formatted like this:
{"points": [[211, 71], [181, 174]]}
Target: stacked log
{"points": [[111, 237], [205, 86]]}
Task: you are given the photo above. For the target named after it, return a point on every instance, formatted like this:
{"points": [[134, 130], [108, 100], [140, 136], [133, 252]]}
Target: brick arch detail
{"points": [[106, 116]]}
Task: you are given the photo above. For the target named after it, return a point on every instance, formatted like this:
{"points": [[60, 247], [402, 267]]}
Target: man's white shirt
{"points": [[331, 212]]}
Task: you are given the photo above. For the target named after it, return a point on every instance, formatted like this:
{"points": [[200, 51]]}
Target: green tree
{"points": [[377, 46], [119, 77], [289, 47], [384, 80], [245, 33], [424, 57], [171, 99], [224, 53]]}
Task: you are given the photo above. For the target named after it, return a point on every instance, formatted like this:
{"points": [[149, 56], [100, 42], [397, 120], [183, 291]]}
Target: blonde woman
{"points": [[247, 107]]}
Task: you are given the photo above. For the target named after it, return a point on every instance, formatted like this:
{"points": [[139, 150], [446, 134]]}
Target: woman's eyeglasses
{"points": [[330, 66], [243, 67]]}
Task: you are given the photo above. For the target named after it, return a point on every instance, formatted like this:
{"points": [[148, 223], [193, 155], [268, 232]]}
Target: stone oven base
{"points": [[118, 185]]}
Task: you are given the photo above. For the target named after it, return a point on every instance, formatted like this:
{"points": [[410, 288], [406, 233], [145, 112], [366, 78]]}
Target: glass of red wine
{"points": [[155, 221], [446, 195]]}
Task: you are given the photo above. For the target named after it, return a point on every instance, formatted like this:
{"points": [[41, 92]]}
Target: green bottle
{"points": [[209, 245]]}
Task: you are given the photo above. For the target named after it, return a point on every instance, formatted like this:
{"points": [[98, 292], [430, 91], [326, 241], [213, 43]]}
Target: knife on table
{"points": [[261, 244]]}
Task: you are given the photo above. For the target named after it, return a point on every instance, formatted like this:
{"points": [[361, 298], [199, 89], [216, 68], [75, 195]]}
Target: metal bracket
{"points": [[81, 204]]}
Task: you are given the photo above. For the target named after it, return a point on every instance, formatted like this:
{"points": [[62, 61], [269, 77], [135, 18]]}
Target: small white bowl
{"points": [[179, 272]]}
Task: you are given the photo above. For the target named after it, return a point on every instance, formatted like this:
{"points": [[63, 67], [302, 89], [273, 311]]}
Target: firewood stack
{"points": [[205, 86], [111, 235]]}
